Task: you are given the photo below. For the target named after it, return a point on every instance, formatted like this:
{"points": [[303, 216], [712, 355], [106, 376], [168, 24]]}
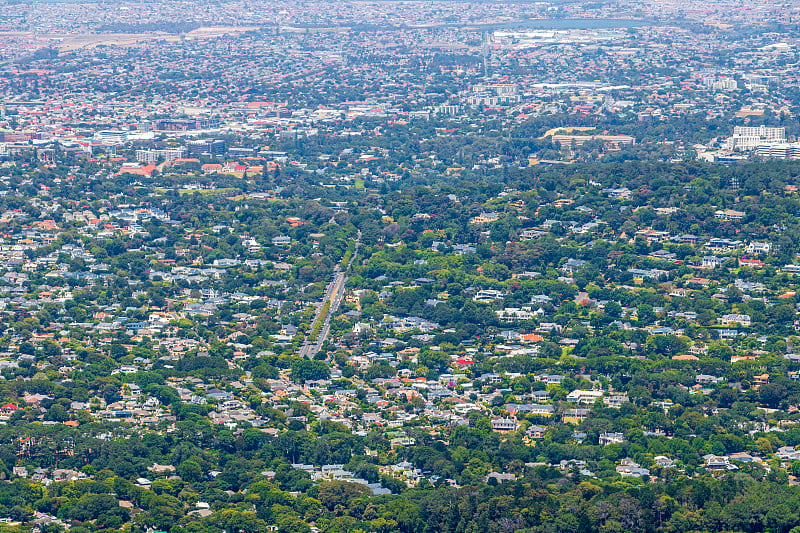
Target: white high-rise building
{"points": [[780, 150], [111, 136], [747, 138], [725, 84], [152, 156]]}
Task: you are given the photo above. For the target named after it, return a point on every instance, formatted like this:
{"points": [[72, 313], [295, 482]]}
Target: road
{"points": [[333, 294]]}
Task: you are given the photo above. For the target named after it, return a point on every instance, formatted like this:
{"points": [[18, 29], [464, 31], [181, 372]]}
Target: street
{"points": [[333, 294]]}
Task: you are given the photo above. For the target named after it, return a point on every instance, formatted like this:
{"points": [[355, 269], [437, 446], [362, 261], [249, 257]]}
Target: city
{"points": [[399, 266]]}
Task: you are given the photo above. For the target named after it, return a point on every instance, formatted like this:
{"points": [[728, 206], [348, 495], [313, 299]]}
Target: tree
{"points": [[340, 493], [190, 471], [613, 309], [435, 360], [304, 370], [57, 413], [292, 524], [239, 521]]}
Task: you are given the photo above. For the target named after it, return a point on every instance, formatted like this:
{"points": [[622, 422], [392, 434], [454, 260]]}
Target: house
{"points": [[615, 400], [723, 244], [728, 333], [512, 314], [663, 254], [573, 265], [753, 263], [734, 318], [535, 432], [484, 218], [749, 286], [161, 469], [705, 378], [540, 395], [459, 249], [711, 261], [619, 193], [532, 337], [679, 291], [500, 477], [629, 468], [718, 463], [8, 409], [488, 295], [649, 273], [686, 238], [531, 408], [574, 416], [758, 248], [550, 379], [652, 235], [584, 396], [60, 474], [664, 462], [579, 436], [504, 424], [787, 453], [744, 457], [219, 394], [611, 438], [289, 330], [729, 214], [529, 234]]}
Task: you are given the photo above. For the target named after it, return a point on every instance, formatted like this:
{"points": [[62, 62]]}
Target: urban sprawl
{"points": [[399, 266]]}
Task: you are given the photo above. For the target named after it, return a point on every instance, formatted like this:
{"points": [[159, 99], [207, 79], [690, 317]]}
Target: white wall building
{"points": [[746, 138]]}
